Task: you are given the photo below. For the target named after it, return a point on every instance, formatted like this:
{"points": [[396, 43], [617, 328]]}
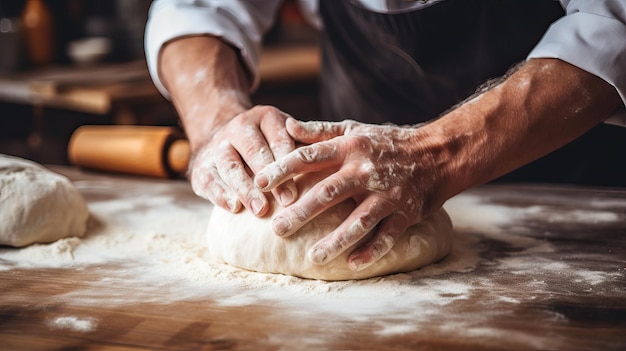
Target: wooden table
{"points": [[533, 267]]}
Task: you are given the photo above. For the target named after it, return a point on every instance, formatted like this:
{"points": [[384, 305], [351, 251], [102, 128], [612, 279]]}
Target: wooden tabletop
{"points": [[533, 267]]}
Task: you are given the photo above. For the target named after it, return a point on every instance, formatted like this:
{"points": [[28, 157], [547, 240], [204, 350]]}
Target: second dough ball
{"points": [[37, 205]]}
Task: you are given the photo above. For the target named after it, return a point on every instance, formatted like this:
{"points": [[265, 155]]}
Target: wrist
{"points": [[436, 151], [206, 117], [539, 108], [207, 83]]}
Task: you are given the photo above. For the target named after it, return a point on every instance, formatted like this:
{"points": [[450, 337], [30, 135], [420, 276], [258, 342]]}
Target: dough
{"points": [[37, 205], [246, 241]]}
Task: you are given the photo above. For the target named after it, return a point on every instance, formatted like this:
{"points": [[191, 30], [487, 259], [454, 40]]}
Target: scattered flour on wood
{"points": [[154, 245], [77, 324]]}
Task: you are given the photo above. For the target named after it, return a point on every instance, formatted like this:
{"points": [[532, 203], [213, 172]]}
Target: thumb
{"points": [[315, 131]]}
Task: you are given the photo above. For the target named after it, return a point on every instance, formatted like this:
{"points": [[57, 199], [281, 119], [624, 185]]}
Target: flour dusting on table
{"points": [[155, 244], [83, 325]]}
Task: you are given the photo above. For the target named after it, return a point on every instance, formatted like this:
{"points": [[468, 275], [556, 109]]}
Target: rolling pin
{"points": [[142, 150]]}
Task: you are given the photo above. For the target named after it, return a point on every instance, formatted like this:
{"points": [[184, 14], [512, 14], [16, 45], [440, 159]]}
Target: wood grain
{"points": [[511, 305]]}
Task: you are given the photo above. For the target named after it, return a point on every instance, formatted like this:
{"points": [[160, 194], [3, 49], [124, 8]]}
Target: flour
{"points": [[83, 325], [166, 242], [146, 240], [396, 330]]}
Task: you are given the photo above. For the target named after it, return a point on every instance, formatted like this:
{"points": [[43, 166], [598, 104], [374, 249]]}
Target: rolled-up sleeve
{"points": [[591, 36], [239, 23]]}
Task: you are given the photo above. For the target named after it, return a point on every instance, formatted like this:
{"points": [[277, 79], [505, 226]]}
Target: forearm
{"points": [[207, 83], [542, 106]]}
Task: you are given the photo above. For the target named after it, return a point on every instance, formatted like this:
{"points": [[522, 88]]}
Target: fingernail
{"points": [[281, 226], [356, 264], [257, 205], [261, 180], [318, 256], [286, 197]]}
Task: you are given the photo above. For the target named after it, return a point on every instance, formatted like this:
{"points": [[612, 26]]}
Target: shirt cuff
{"points": [[593, 43]]}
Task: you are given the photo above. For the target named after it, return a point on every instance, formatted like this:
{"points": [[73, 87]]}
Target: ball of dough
{"points": [[37, 205], [248, 242]]}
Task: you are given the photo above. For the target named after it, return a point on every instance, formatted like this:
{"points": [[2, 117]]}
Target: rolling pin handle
{"points": [[177, 156], [142, 150]]}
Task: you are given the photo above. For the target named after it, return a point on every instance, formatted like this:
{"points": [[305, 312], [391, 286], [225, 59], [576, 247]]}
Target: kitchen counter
{"points": [[533, 267]]}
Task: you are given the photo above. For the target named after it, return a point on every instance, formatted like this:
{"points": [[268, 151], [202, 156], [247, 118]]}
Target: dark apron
{"points": [[410, 67]]}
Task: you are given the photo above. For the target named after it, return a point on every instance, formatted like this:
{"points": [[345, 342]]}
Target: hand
{"points": [[398, 176], [222, 169], [380, 167], [229, 139]]}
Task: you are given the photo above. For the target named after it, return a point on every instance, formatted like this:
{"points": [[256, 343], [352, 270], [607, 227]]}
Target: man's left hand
{"points": [[380, 167]]}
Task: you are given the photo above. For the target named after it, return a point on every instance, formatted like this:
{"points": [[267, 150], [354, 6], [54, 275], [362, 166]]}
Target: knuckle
{"points": [[317, 153], [348, 125], [259, 154], [253, 137], [282, 142], [316, 128], [306, 154], [363, 223], [238, 121], [274, 172], [238, 118], [332, 128], [230, 167], [200, 181], [281, 169], [205, 189], [223, 147], [356, 143], [342, 242], [327, 193], [299, 213], [202, 177], [261, 109], [367, 169], [381, 246], [268, 111]]}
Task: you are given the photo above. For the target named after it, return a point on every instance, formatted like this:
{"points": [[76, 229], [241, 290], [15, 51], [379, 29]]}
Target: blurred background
{"points": [[50, 30], [67, 63]]}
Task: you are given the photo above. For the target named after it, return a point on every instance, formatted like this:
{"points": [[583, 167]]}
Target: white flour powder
{"points": [[83, 325], [150, 242]]}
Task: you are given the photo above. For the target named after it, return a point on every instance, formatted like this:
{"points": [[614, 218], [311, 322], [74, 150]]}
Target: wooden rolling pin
{"points": [[142, 150]]}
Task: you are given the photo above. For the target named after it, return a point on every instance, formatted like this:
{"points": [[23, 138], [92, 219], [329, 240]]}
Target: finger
{"points": [[281, 144], [327, 193], [208, 184], [354, 228], [252, 147], [273, 128], [232, 170], [385, 238], [260, 146], [316, 131], [306, 159]]}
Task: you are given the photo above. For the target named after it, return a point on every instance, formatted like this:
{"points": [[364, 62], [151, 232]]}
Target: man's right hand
{"points": [[230, 140], [222, 170]]}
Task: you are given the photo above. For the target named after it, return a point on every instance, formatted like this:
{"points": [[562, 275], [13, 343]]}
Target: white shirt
{"points": [[591, 36]]}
